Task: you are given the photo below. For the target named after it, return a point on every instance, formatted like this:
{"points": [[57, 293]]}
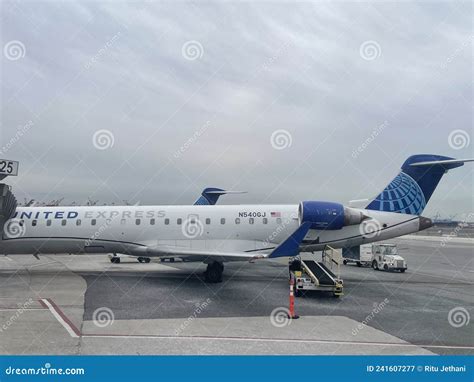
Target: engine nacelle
{"points": [[328, 215]]}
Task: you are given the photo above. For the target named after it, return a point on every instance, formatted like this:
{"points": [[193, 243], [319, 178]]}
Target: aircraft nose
{"points": [[424, 223]]}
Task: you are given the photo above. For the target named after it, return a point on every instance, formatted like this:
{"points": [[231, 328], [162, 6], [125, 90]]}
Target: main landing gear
{"points": [[115, 259], [214, 272]]}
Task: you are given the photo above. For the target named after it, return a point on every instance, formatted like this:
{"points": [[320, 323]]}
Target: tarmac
{"points": [[83, 304]]}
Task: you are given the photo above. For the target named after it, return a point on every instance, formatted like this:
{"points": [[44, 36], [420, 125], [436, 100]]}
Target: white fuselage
{"points": [[128, 229]]}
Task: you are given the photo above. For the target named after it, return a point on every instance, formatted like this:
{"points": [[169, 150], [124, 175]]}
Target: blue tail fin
{"points": [[210, 196], [412, 188]]}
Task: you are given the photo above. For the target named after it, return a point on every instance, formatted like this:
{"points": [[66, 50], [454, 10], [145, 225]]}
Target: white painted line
{"points": [[59, 316], [280, 340]]}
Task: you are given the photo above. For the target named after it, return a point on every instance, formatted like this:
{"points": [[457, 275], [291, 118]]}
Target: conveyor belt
{"points": [[321, 272]]}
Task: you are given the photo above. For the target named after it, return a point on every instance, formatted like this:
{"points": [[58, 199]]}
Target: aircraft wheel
{"points": [[375, 266], [214, 272], [147, 260], [115, 260], [344, 262]]}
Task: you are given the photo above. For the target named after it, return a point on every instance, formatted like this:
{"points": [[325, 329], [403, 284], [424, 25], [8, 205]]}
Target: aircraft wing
{"points": [[288, 248]]}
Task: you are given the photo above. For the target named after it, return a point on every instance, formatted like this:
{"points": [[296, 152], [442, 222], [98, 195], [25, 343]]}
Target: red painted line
{"points": [[69, 325], [43, 304]]}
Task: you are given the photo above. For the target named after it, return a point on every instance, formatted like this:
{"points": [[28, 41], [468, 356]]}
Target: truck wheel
{"points": [[402, 270], [344, 262], [359, 264], [385, 267], [375, 266]]}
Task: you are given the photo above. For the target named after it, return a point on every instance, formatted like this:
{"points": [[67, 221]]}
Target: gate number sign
{"points": [[8, 167]]}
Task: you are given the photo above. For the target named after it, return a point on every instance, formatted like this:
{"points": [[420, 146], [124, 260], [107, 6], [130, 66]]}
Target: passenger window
{"points": [[137, 221], [48, 222], [152, 221], [34, 222], [93, 222], [251, 220], [265, 220], [237, 220], [167, 221], [63, 222], [208, 221], [222, 221], [180, 221], [78, 222]]}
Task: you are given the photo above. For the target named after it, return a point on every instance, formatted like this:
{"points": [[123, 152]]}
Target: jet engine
{"points": [[328, 215]]}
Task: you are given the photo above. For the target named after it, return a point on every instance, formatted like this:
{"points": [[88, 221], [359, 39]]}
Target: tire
{"points": [[115, 260], [402, 270], [147, 260], [344, 262], [359, 264], [375, 265], [385, 267], [213, 273]]}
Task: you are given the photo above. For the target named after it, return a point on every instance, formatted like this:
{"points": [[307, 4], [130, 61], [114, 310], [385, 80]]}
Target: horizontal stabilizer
{"points": [[446, 163]]}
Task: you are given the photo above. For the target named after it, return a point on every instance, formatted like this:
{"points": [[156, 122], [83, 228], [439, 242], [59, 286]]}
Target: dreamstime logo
{"points": [[377, 308], [459, 139], [14, 228], [192, 50], [279, 229], [104, 49], [103, 139], [192, 228], [454, 233], [280, 317], [18, 135], [200, 307], [14, 50], [12, 319], [103, 317], [370, 50], [458, 317], [196, 135], [281, 139], [370, 228], [375, 133]]}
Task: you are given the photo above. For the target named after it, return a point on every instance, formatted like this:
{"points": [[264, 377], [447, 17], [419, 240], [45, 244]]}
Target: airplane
{"points": [[209, 197], [215, 234]]}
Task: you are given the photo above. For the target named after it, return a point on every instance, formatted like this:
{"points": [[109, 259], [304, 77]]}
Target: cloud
{"points": [[263, 67]]}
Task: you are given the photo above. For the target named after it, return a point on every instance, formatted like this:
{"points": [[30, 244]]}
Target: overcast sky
{"points": [[290, 102]]}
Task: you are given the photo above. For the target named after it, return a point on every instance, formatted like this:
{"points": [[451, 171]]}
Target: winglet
{"points": [[290, 247]]}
